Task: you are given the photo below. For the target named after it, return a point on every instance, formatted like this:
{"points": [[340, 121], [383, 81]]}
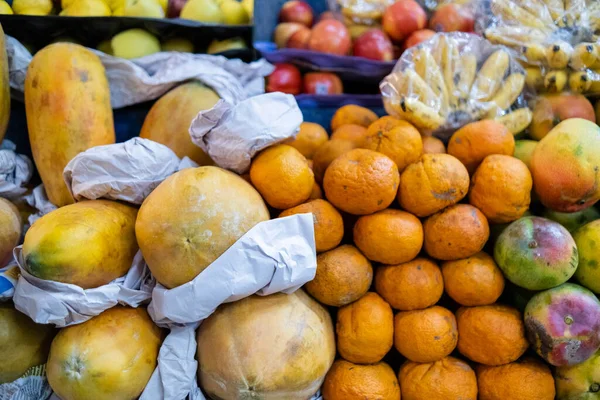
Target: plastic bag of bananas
{"points": [[453, 79], [557, 41], [360, 13]]}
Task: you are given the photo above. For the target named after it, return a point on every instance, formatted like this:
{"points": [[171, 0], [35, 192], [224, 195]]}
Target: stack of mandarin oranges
{"points": [[401, 224]]}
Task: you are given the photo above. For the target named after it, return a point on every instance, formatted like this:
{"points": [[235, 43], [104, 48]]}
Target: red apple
{"points": [[322, 83], [296, 11], [326, 15], [403, 18], [330, 36], [284, 31], [299, 39], [375, 45], [452, 18], [417, 37], [285, 78]]}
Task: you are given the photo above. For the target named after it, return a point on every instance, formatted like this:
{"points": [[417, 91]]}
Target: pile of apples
{"points": [[287, 78], [404, 24]]}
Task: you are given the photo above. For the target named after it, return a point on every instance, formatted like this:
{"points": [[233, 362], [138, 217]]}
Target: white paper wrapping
{"points": [[15, 171], [233, 133], [33, 385], [38, 199], [147, 78], [124, 171], [63, 304], [278, 255]]}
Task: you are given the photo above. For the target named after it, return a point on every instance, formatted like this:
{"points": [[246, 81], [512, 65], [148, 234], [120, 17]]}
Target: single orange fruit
{"points": [[456, 232], [414, 285], [433, 183], [365, 329], [446, 379], [309, 139], [361, 182], [491, 335], [329, 226], [316, 193], [473, 281], [528, 379], [425, 335], [352, 132], [348, 381], [477, 140], [501, 188], [282, 176], [433, 145], [343, 275], [327, 153], [389, 236], [398, 140], [352, 114]]}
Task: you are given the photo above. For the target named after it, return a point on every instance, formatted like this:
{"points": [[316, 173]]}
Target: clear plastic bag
{"points": [[360, 12], [453, 79], [558, 42]]}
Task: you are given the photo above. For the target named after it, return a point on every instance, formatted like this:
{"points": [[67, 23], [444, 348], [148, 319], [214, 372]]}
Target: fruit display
{"points": [[453, 79], [557, 41]]}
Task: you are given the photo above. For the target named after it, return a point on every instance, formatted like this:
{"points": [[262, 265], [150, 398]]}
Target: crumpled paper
{"points": [[123, 171], [147, 78], [233, 133], [38, 199], [278, 255], [63, 304], [15, 171], [33, 385]]}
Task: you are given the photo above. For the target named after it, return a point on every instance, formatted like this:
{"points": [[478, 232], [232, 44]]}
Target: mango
{"points": [[588, 242], [23, 343], [4, 88], [109, 357], [11, 226], [281, 348], [67, 101], [573, 221], [580, 381], [88, 244], [169, 119], [191, 218]]}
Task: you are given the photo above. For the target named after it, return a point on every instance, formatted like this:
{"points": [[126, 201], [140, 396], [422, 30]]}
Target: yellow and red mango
{"points": [[11, 226], [169, 119], [580, 381], [67, 101], [563, 324], [588, 243], [566, 166], [4, 87]]}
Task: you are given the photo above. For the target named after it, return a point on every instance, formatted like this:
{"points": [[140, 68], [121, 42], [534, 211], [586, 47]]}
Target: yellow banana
{"points": [[415, 87], [594, 76], [574, 10], [514, 36], [579, 81], [539, 9], [506, 96], [594, 16], [534, 78], [556, 9], [511, 11], [558, 55], [429, 70], [421, 115], [490, 76], [516, 121], [448, 56], [555, 81], [584, 56], [534, 53], [468, 71]]}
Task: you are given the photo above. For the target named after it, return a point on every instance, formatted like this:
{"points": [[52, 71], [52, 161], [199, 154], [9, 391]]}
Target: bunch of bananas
{"points": [[363, 12], [441, 88], [559, 41]]}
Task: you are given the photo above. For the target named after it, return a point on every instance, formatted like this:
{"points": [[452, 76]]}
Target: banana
{"points": [[506, 96], [511, 11], [421, 115], [556, 9], [534, 78], [448, 56], [429, 70], [415, 87], [584, 56], [516, 121], [558, 55], [575, 12], [534, 53], [490, 76], [539, 9], [468, 71], [555, 81], [594, 76], [594, 16], [514, 36], [579, 81]]}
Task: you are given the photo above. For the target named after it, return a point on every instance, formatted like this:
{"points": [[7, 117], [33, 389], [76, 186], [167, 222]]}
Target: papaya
{"points": [[4, 88], [11, 226], [169, 119], [109, 357], [276, 347], [67, 102], [88, 244], [191, 218], [23, 343]]}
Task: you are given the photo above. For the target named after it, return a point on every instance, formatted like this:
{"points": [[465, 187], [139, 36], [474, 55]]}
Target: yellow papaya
{"points": [[169, 119], [23, 343], [10, 230], [67, 102], [5, 88], [109, 357], [88, 244]]}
